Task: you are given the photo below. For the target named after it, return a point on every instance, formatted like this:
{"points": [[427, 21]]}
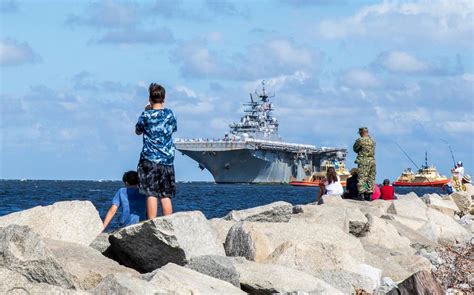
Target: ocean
{"points": [[214, 200]]}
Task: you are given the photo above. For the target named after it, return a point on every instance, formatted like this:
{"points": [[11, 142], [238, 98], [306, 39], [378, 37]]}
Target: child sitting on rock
{"points": [[128, 198], [155, 168]]}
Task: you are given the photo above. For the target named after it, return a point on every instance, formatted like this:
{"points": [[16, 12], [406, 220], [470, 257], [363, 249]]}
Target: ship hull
{"points": [[310, 183], [247, 165], [436, 183]]}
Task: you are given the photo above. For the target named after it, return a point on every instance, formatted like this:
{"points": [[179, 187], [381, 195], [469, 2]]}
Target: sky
{"points": [[74, 78]]}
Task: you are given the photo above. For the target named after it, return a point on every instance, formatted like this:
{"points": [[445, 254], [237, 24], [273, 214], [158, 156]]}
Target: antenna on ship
{"points": [[426, 159], [264, 96]]}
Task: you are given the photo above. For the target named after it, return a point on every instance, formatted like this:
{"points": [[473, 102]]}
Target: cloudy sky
{"points": [[74, 78]]}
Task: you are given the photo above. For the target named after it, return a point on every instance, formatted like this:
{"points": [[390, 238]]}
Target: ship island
{"points": [[253, 151]]}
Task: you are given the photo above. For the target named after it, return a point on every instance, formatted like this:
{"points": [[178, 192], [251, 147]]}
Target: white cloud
{"points": [[399, 61], [360, 79], [13, 53], [108, 14]]}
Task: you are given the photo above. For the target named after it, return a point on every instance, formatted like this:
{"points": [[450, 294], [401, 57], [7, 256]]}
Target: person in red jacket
{"points": [[387, 190]]}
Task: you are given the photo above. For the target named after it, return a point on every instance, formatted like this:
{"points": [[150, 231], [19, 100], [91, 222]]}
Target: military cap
{"points": [[362, 129]]}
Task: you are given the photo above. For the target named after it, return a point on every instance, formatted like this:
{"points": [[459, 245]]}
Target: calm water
{"points": [[214, 200]]}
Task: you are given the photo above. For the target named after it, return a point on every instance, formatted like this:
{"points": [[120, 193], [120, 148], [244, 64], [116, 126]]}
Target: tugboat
{"points": [[426, 176], [316, 177]]}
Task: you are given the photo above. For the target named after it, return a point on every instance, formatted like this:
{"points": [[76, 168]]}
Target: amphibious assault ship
{"points": [[253, 151]]}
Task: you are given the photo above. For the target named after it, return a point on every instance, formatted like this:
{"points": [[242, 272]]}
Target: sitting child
{"points": [[128, 198], [387, 190]]}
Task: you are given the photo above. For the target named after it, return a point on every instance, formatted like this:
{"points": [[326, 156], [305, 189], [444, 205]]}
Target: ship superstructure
{"points": [[253, 152]]}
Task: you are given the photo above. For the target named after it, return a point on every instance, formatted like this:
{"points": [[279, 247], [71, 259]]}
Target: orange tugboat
{"points": [[426, 176], [316, 177]]}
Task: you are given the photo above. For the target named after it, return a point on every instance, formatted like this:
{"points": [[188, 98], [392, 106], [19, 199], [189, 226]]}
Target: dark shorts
{"points": [[156, 180]]}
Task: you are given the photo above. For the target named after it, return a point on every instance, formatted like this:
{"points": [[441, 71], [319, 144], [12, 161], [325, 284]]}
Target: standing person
{"points": [[351, 186], [128, 198], [155, 168], [364, 146], [387, 190], [330, 186]]}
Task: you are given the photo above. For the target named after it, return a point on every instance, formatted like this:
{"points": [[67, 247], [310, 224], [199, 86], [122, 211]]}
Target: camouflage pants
{"points": [[366, 176]]}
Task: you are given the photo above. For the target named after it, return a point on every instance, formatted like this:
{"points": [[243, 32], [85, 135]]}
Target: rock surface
{"points": [[69, 221], [422, 282], [463, 201], [264, 278], [219, 267], [22, 251], [274, 212], [175, 279], [221, 227], [123, 284], [410, 206], [175, 238], [445, 206]]}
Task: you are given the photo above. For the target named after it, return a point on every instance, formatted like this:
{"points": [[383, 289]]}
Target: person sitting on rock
{"points": [[330, 186], [387, 190], [351, 186], [128, 198]]}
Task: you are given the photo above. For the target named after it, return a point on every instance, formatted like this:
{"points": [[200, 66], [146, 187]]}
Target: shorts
{"points": [[156, 180]]}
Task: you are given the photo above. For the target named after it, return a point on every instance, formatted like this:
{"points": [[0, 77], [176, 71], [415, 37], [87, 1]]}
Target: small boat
{"points": [[316, 177], [426, 176]]}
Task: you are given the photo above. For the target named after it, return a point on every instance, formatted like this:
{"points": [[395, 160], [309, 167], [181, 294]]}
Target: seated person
{"points": [[376, 194], [387, 190], [330, 186], [351, 186], [128, 198]]}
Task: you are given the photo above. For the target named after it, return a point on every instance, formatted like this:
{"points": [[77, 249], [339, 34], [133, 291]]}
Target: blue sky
{"points": [[74, 77]]}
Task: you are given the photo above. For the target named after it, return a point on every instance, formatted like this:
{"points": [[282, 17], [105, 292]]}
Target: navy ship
{"points": [[253, 151]]}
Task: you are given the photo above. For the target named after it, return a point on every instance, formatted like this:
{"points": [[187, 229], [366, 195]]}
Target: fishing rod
{"points": [[406, 154], [451, 151]]}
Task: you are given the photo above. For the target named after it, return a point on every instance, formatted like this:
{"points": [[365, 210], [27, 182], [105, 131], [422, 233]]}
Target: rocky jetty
{"points": [[412, 245]]}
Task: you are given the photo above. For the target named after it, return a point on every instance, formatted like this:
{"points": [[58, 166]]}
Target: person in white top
{"points": [[459, 169], [331, 185]]}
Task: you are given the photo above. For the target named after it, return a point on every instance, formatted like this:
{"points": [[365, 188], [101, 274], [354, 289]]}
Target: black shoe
{"points": [[368, 196], [360, 197]]}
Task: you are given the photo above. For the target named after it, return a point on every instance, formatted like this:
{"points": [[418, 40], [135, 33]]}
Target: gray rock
{"points": [[222, 228], [101, 243], [174, 279], [69, 221], [265, 278], [22, 251], [274, 212], [410, 206], [417, 240], [463, 201], [86, 266], [123, 284], [15, 283], [422, 282], [175, 238], [219, 267]]}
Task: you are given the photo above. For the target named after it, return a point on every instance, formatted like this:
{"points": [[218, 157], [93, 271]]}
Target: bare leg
{"points": [[166, 206], [151, 207]]}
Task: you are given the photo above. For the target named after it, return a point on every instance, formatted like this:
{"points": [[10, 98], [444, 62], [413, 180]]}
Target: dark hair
{"points": [[331, 175], [130, 177], [386, 182], [157, 93]]}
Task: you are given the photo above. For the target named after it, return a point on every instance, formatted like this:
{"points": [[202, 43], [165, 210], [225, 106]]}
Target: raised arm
{"points": [[108, 217]]}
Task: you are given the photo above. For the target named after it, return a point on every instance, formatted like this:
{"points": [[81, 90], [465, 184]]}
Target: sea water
{"points": [[214, 200]]}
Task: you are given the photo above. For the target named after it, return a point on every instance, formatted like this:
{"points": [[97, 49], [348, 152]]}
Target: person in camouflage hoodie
{"points": [[364, 146]]}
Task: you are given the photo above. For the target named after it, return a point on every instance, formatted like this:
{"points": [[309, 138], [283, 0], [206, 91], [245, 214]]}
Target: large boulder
{"points": [[86, 266], [219, 267], [22, 251], [444, 229], [123, 284], [422, 282], [69, 221], [274, 212], [383, 234], [15, 283], [175, 238], [445, 206], [463, 201], [221, 227], [417, 240], [175, 279], [410, 206], [265, 278]]}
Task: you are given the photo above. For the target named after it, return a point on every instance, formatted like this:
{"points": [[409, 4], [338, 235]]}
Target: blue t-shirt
{"points": [[133, 205], [157, 127]]}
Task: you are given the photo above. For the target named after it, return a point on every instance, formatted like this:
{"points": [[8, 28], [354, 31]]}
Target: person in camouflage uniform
{"points": [[365, 149]]}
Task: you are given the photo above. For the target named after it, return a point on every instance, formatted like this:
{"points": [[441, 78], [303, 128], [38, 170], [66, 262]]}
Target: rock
{"points": [[409, 206], [383, 234], [274, 212], [101, 243], [245, 240], [222, 228], [386, 285], [333, 200], [175, 238], [15, 283], [69, 221], [264, 278], [422, 282], [22, 251], [86, 266], [175, 279], [219, 267], [463, 201], [447, 207], [123, 284], [417, 240], [376, 208], [366, 278], [445, 229]]}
